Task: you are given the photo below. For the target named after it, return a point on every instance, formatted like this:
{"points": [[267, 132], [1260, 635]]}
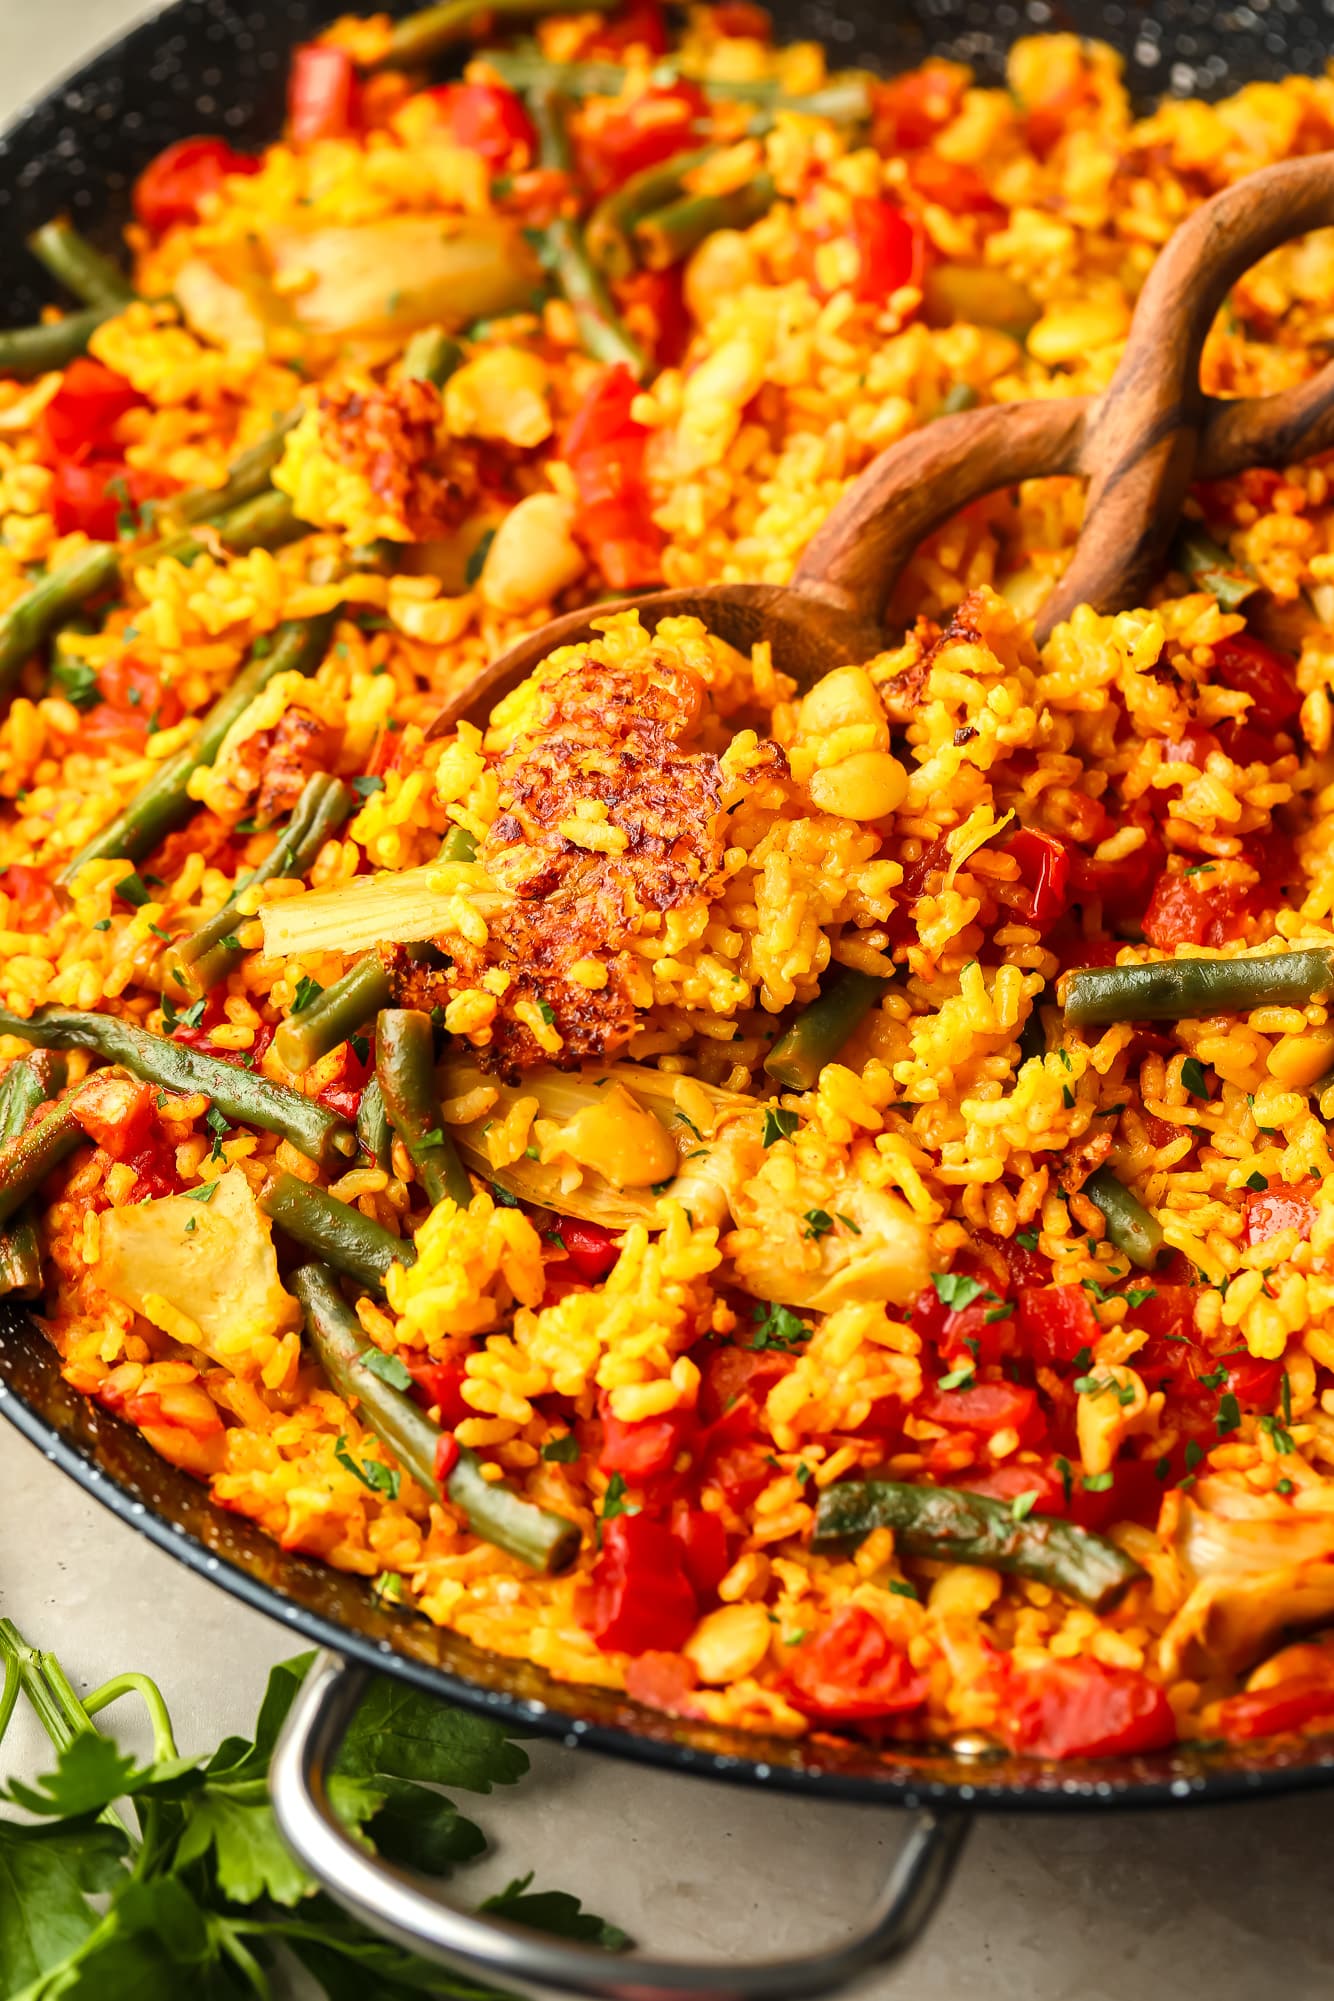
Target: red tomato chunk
{"points": [[1080, 1709], [852, 1672], [171, 188], [642, 1597]]}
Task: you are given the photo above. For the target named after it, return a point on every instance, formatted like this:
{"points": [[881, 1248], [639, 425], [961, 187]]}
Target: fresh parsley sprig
{"points": [[170, 1878]]}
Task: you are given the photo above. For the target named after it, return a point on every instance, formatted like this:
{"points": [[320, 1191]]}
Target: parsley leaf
{"points": [[1023, 1505], [366, 784], [307, 992], [1096, 1483], [1229, 1415], [373, 1474], [818, 1223], [563, 1451], [779, 1328], [955, 1290], [778, 1125], [614, 1502], [1192, 1076], [554, 1911], [76, 681], [387, 1367], [1257, 1181], [957, 1379]]}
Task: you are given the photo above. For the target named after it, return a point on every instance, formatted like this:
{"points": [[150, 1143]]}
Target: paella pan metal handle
{"points": [[404, 1907]]}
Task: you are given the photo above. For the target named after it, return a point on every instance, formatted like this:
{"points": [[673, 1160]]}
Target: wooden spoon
{"points": [[1139, 444]]}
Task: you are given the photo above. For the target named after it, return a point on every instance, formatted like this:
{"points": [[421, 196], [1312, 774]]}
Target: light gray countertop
{"points": [[1210, 1904]]}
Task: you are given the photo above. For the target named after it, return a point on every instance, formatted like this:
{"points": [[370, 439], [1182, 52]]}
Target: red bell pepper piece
{"points": [[663, 121], [1287, 1207], [852, 1672], [1289, 1705], [592, 1250], [891, 248], [910, 109], [638, 24], [1056, 1322], [439, 1385], [1080, 1709], [486, 119], [322, 93], [663, 1681], [172, 186], [1249, 667], [702, 1540], [644, 1450], [1255, 1384], [342, 1094], [81, 418], [604, 448], [446, 1456], [33, 901], [987, 1408], [1044, 872], [115, 1112], [736, 1382], [642, 1598]]}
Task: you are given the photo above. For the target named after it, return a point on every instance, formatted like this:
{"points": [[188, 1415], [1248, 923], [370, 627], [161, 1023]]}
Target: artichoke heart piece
{"points": [[202, 1267]]}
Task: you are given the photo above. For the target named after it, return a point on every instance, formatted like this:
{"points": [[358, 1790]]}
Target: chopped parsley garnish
{"points": [[307, 993], [1023, 1505], [1027, 1240], [1067, 1477], [818, 1223], [957, 1379], [477, 561], [902, 1589], [1001, 1312], [563, 1451], [76, 681], [778, 1124], [388, 1368], [204, 1192], [955, 1290], [1279, 1437], [1257, 1181], [367, 783], [1229, 1415], [372, 1473], [133, 890], [547, 1012], [1192, 1076], [1096, 1483], [1138, 1294], [614, 1502], [847, 1223], [779, 1328]]}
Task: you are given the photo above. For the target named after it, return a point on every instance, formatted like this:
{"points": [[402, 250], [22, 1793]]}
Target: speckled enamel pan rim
{"points": [[77, 148]]}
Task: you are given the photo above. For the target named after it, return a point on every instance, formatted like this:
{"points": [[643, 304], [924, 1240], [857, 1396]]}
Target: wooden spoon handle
{"points": [[856, 556], [1267, 430], [1140, 448]]}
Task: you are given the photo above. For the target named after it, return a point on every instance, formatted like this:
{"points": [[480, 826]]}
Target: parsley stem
{"points": [[48, 1689], [164, 1742], [9, 1692]]}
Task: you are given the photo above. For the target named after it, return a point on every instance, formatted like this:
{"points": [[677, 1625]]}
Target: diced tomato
{"points": [[154, 1166], [592, 1250], [642, 1598], [1253, 1382], [740, 21], [639, 24], [1122, 887], [742, 1472], [115, 1112], [604, 448], [446, 1457], [953, 185], [33, 899], [1080, 1709], [911, 109], [1273, 1712], [643, 1450], [703, 1545], [1044, 871], [198, 1036], [342, 1094], [486, 119], [658, 124], [439, 1385], [737, 1381], [1286, 1206], [663, 1681], [322, 93], [172, 186], [1023, 1266], [81, 418], [654, 302], [133, 691], [1011, 1481], [1249, 667], [852, 1672], [1193, 910], [986, 1408], [1135, 1495], [891, 248], [970, 1335], [1056, 1322]]}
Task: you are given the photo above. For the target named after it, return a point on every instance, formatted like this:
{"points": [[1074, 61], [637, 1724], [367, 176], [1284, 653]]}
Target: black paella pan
{"points": [[206, 65]]}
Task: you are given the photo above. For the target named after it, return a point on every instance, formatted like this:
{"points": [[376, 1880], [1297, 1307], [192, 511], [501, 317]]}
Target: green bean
{"points": [[295, 648], [335, 1231], [70, 674], [1213, 569], [949, 1525], [80, 268], [670, 234], [198, 963], [1128, 1223], [29, 1082], [534, 1535], [845, 98], [600, 329], [49, 604], [374, 1136], [432, 356], [1191, 989], [249, 475], [419, 38], [27, 1159], [242, 1096], [609, 229], [29, 351], [405, 1066], [823, 1028], [334, 1015], [268, 521]]}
